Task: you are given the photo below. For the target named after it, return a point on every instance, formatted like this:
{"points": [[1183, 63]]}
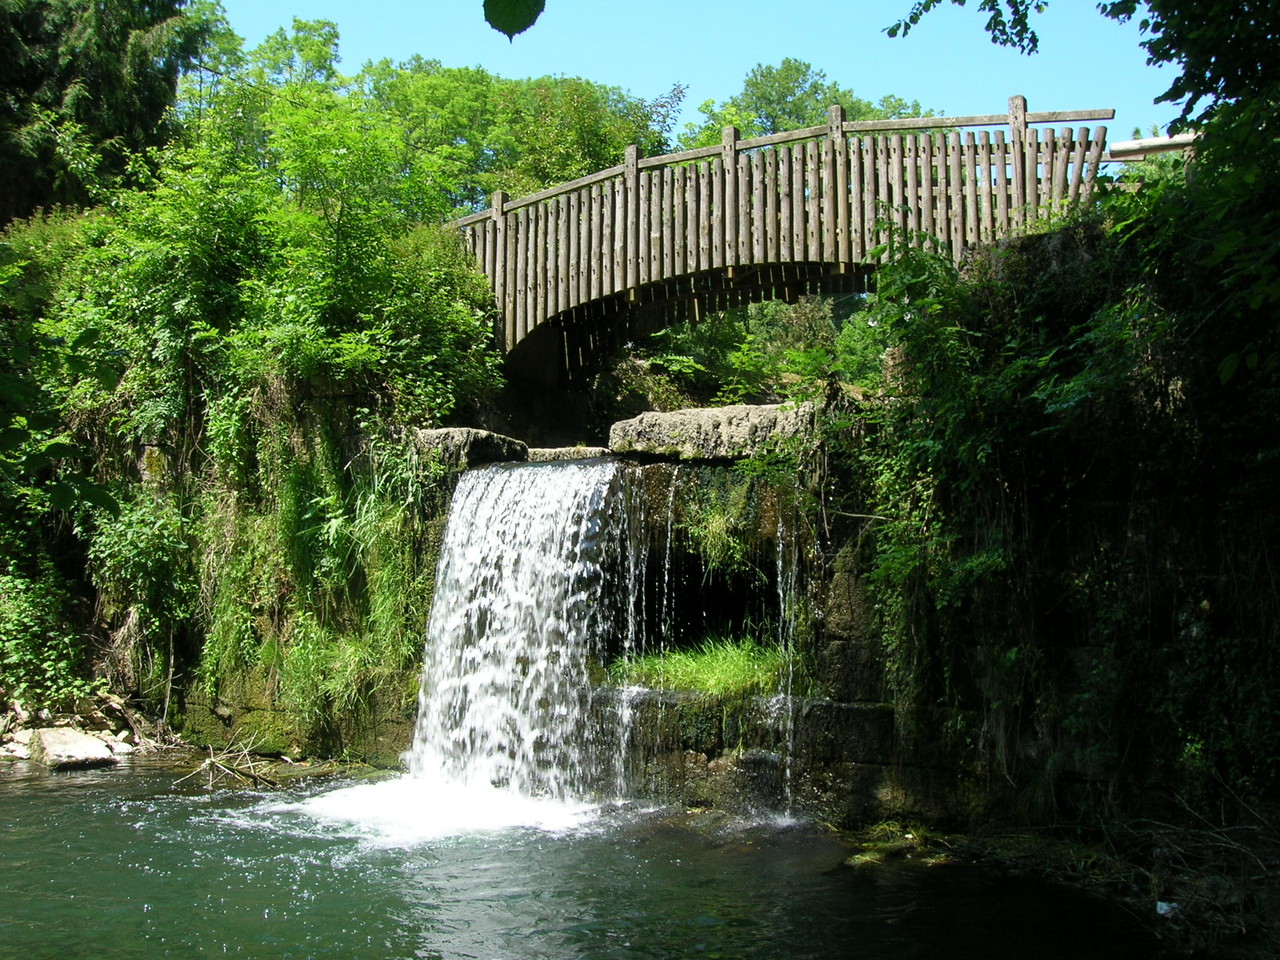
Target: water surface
{"points": [[124, 863]]}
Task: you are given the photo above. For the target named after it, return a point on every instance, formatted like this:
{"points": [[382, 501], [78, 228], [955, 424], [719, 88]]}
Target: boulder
{"points": [[61, 748], [715, 433], [460, 448]]}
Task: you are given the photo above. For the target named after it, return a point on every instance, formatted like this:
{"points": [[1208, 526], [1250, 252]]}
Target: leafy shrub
{"points": [[42, 659]]}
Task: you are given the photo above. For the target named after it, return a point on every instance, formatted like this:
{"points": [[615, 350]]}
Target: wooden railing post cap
{"points": [[1018, 111], [729, 135], [1018, 116], [836, 113], [498, 201]]}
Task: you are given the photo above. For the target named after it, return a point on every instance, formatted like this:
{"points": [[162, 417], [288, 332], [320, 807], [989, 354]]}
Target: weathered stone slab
{"points": [[61, 748], [715, 433], [556, 454], [463, 447]]}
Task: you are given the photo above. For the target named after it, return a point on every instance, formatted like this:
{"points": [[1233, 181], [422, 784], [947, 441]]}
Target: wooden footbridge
{"points": [[579, 268]]}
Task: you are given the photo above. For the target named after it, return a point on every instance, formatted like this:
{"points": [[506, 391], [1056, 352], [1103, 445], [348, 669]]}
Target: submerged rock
{"points": [[716, 433], [61, 748]]}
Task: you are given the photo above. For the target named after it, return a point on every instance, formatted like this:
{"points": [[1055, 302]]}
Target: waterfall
{"points": [[519, 609], [547, 573]]}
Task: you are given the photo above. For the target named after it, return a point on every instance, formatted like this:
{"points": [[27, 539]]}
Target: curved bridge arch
{"points": [[657, 240]]}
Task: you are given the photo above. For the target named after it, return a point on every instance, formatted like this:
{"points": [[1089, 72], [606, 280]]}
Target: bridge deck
{"points": [[768, 216]]}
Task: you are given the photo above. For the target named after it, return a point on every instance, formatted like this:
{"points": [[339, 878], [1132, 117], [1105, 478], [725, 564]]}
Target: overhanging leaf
{"points": [[512, 16]]}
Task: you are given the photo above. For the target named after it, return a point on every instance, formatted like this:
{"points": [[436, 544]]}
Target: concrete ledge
{"points": [[558, 454]]}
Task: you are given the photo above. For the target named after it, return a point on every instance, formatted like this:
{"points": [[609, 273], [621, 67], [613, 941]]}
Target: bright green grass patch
{"points": [[720, 667]]}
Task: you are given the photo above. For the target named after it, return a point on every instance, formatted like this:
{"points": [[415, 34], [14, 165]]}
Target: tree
{"points": [[1229, 87], [1225, 48], [478, 133], [789, 96], [86, 84]]}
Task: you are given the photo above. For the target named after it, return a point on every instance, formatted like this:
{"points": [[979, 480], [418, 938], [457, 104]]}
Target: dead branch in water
{"points": [[237, 764]]}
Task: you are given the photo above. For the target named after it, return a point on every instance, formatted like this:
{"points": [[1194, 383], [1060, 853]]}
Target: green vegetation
{"points": [[718, 667], [512, 16], [1068, 469], [212, 380], [760, 353], [87, 87], [790, 96]]}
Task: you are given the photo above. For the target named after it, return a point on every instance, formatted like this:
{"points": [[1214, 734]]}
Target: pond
{"points": [[129, 863]]}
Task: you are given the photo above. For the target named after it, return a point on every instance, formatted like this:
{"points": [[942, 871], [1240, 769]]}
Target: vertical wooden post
{"points": [[596, 250], [631, 244], [1061, 157], [896, 159], [988, 230], [759, 222], [729, 170], [1033, 190], [498, 215], [644, 200], [1077, 163], [1096, 147], [956, 197], [785, 219], [928, 183], [970, 166], [1017, 146], [678, 222], [562, 251], [1003, 187], [576, 234], [839, 185]]}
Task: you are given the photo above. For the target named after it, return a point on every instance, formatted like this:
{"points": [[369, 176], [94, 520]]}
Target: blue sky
{"points": [[947, 62]]}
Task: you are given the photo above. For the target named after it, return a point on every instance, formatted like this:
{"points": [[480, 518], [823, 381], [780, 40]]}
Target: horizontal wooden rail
{"points": [[820, 195]]}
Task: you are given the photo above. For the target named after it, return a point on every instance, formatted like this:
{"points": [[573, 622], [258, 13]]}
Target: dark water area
{"points": [[125, 863]]}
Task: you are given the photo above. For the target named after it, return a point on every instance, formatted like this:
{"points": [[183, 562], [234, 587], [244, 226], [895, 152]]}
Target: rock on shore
{"points": [[62, 748]]}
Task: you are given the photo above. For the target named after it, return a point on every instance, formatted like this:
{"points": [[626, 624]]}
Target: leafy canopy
{"points": [[792, 95]]}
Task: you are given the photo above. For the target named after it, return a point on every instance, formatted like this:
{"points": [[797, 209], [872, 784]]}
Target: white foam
{"points": [[410, 810]]}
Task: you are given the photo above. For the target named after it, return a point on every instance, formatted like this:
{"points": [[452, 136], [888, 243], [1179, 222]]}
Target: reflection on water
{"points": [[123, 864]]}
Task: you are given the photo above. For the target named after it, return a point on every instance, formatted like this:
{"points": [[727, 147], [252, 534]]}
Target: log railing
{"points": [[826, 194]]}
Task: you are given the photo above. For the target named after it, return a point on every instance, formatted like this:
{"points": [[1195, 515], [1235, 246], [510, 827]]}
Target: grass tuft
{"points": [[719, 666]]}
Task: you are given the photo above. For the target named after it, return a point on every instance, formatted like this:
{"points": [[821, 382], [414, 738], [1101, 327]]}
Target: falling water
{"points": [[519, 606]]}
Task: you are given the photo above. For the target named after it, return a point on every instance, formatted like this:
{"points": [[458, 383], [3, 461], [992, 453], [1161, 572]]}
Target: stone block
{"points": [[717, 433]]}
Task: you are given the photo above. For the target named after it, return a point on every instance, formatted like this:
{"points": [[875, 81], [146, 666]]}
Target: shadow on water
{"points": [[123, 864]]}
